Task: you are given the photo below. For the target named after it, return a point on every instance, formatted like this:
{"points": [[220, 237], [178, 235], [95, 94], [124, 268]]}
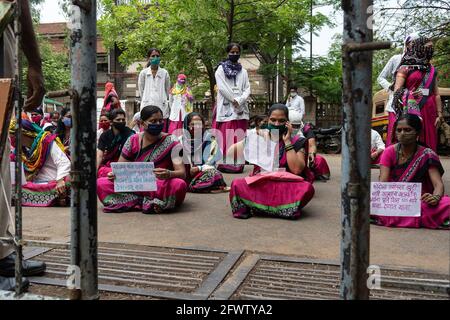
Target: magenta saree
{"points": [[278, 197], [416, 170], [170, 193]]}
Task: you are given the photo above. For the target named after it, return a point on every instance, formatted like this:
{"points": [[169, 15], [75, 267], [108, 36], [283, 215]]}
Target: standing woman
{"points": [[149, 146], [181, 99], [232, 111], [154, 85], [416, 89], [280, 194], [111, 100], [64, 127]]}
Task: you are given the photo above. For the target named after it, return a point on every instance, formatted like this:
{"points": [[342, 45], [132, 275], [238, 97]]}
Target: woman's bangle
{"points": [[170, 173], [437, 197]]}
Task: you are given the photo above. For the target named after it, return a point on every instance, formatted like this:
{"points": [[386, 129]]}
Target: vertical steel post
{"points": [[357, 97], [18, 164], [83, 44]]}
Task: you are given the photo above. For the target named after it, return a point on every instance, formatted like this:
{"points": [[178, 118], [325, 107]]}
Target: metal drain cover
{"points": [[173, 273], [272, 277]]}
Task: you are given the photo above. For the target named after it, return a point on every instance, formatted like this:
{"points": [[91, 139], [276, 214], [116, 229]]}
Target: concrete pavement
{"points": [[206, 221]]}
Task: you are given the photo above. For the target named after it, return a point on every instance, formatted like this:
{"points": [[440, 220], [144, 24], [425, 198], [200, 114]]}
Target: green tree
{"points": [[193, 33]]}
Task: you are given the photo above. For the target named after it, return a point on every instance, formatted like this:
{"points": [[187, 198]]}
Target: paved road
{"points": [[206, 221]]}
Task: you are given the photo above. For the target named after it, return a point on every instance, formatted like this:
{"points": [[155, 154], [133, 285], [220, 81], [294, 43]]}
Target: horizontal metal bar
{"points": [[61, 94], [366, 46]]}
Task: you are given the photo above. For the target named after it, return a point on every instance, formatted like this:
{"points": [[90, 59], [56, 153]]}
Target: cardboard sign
{"points": [[134, 176], [395, 199], [12, 167], [260, 151]]}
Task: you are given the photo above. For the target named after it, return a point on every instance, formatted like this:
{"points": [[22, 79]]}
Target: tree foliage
{"points": [[194, 33]]}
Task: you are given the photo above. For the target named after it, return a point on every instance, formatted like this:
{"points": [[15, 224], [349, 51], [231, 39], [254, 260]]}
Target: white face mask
{"points": [[293, 94]]}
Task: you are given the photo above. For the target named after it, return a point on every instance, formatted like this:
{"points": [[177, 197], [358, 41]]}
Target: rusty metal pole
{"points": [[18, 165], [355, 184], [83, 44]]}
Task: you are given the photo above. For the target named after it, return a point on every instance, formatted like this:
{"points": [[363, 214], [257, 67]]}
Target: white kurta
{"points": [[376, 141], [232, 89], [388, 73], [155, 90], [178, 104], [296, 106], [56, 167]]}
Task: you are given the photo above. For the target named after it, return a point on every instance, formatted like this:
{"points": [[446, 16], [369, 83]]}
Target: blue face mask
{"points": [[67, 122], [155, 129], [155, 61]]}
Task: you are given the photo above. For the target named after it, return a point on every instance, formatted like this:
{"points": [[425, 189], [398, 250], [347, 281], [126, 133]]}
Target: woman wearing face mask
{"points": [[46, 167], [37, 117], [416, 89], [181, 99], [200, 153], [280, 194], [64, 127], [111, 142], [103, 125], [149, 146], [232, 112], [154, 86], [408, 161]]}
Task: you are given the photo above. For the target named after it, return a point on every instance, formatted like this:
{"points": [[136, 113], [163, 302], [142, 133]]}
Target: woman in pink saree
{"points": [[407, 161], [149, 146], [280, 194], [416, 89]]}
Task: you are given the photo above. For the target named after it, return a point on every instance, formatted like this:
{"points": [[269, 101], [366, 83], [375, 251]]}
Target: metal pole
{"points": [[357, 97], [83, 147], [18, 164]]}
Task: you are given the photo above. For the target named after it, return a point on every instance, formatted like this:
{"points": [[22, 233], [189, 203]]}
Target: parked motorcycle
{"points": [[328, 140]]}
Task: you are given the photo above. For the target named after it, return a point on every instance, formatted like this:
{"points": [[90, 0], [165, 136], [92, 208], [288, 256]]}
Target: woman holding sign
{"points": [[408, 161], [282, 193], [46, 166], [201, 152], [149, 146]]}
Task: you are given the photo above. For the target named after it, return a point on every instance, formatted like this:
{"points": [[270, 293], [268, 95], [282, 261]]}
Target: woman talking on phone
{"points": [[280, 194]]}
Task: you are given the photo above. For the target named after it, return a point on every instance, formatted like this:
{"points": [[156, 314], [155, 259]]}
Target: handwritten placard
{"points": [[395, 199], [260, 151], [134, 176]]}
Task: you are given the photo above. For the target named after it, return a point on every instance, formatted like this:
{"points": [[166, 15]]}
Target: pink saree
{"points": [[170, 193], [278, 195], [416, 170], [428, 110]]}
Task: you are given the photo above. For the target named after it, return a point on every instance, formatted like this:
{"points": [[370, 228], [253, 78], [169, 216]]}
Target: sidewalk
{"points": [[205, 221]]}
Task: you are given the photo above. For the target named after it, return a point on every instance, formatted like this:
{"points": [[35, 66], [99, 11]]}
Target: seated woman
{"points": [[279, 194], [316, 163], [149, 146], [46, 167], [200, 153], [103, 125], [111, 142], [407, 161]]}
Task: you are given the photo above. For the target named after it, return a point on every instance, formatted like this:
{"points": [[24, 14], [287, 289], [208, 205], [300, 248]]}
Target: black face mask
{"points": [[119, 126], [234, 57], [155, 129]]}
